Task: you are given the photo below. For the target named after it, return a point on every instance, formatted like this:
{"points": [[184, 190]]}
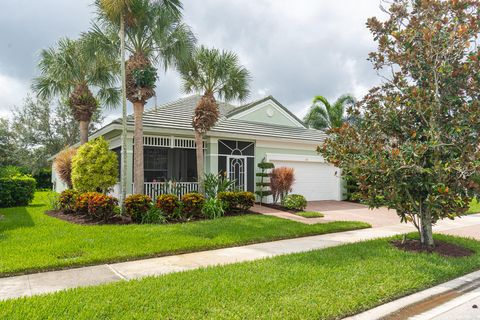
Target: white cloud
{"points": [[12, 93]]}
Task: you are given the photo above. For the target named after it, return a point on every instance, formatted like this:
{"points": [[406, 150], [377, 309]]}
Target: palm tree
{"points": [[212, 72], [324, 116], [154, 34], [70, 71]]}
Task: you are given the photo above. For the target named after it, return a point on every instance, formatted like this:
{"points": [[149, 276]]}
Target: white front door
{"points": [[237, 170]]}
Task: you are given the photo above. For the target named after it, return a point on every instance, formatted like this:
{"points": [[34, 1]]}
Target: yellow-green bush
{"points": [[94, 167]]}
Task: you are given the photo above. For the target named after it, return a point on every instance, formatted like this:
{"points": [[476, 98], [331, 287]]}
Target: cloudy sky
{"points": [[294, 49]]}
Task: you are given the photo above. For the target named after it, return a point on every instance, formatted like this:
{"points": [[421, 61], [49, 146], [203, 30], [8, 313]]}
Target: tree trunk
{"points": [[123, 156], [138, 173], [200, 173], [84, 131], [426, 233]]}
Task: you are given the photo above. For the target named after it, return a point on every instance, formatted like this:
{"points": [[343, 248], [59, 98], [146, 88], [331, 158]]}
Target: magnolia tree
{"points": [[416, 149]]}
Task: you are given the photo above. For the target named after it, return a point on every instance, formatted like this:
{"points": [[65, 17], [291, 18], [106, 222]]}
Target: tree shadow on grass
{"points": [[17, 217]]}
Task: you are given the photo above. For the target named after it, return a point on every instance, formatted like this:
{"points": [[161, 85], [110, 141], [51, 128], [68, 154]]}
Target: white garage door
{"points": [[314, 180]]}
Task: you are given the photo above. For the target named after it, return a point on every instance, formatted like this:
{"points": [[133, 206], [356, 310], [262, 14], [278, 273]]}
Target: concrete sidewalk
{"points": [[46, 282]]}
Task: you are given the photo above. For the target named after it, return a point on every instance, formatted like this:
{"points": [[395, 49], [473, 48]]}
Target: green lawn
{"points": [[310, 214], [323, 284], [32, 241]]}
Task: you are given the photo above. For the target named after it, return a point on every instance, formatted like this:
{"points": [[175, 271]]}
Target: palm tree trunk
{"points": [[138, 171], [123, 156], [200, 173], [84, 131]]}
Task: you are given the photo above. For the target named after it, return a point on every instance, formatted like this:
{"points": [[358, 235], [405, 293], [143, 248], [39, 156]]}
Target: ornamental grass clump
{"points": [[63, 165], [281, 182]]}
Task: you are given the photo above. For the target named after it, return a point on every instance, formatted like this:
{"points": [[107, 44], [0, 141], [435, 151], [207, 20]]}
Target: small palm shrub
{"points": [[154, 216], [281, 182], [295, 202], [63, 165], [192, 204], [245, 200], [137, 206], [213, 208], [169, 204], [95, 167], [67, 200]]}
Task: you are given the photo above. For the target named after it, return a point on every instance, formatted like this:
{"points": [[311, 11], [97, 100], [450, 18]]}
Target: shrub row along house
{"points": [[242, 137]]}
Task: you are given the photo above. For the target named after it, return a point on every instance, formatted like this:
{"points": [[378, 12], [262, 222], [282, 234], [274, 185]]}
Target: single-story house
{"points": [[243, 136]]}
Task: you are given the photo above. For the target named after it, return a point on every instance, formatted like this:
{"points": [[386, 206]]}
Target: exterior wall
{"points": [[211, 158], [57, 184], [268, 112]]}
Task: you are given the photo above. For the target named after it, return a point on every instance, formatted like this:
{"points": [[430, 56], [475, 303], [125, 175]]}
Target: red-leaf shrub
{"points": [[168, 203], [137, 206], [67, 200], [193, 204], [281, 182], [97, 205]]}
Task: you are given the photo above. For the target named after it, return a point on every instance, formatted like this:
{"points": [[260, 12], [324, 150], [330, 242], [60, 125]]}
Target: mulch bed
{"points": [[278, 207], [442, 248], [119, 220], [85, 220]]}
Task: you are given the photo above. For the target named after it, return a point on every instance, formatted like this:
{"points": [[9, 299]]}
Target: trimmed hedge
{"points": [[237, 200], [16, 191]]}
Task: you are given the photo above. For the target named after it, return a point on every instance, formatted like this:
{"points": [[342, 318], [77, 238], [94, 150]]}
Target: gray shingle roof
{"points": [[178, 115]]}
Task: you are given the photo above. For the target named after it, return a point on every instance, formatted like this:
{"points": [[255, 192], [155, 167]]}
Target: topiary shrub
{"points": [[137, 206], [192, 204], [97, 205], [294, 202], [245, 200], [95, 167], [67, 200], [17, 190], [169, 205], [229, 199]]}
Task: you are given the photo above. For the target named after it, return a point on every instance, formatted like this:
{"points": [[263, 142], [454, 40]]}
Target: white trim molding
{"points": [[294, 157]]}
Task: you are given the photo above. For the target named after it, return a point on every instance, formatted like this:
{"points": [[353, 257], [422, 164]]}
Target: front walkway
{"points": [[46, 282]]}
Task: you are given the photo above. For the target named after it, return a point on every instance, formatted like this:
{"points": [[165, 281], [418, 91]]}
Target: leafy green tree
{"points": [[416, 148], [212, 72], [94, 167], [154, 35], [41, 130], [9, 150], [71, 71], [323, 115]]}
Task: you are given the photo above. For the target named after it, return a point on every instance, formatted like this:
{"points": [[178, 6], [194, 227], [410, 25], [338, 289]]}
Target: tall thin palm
{"points": [[212, 73], [116, 11], [324, 116], [70, 71], [154, 35]]}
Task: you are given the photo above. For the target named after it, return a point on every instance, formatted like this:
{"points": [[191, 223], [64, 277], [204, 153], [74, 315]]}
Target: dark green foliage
{"points": [[67, 200], [137, 206], [294, 202], [43, 178], [216, 183], [145, 77], [17, 190], [263, 186]]}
